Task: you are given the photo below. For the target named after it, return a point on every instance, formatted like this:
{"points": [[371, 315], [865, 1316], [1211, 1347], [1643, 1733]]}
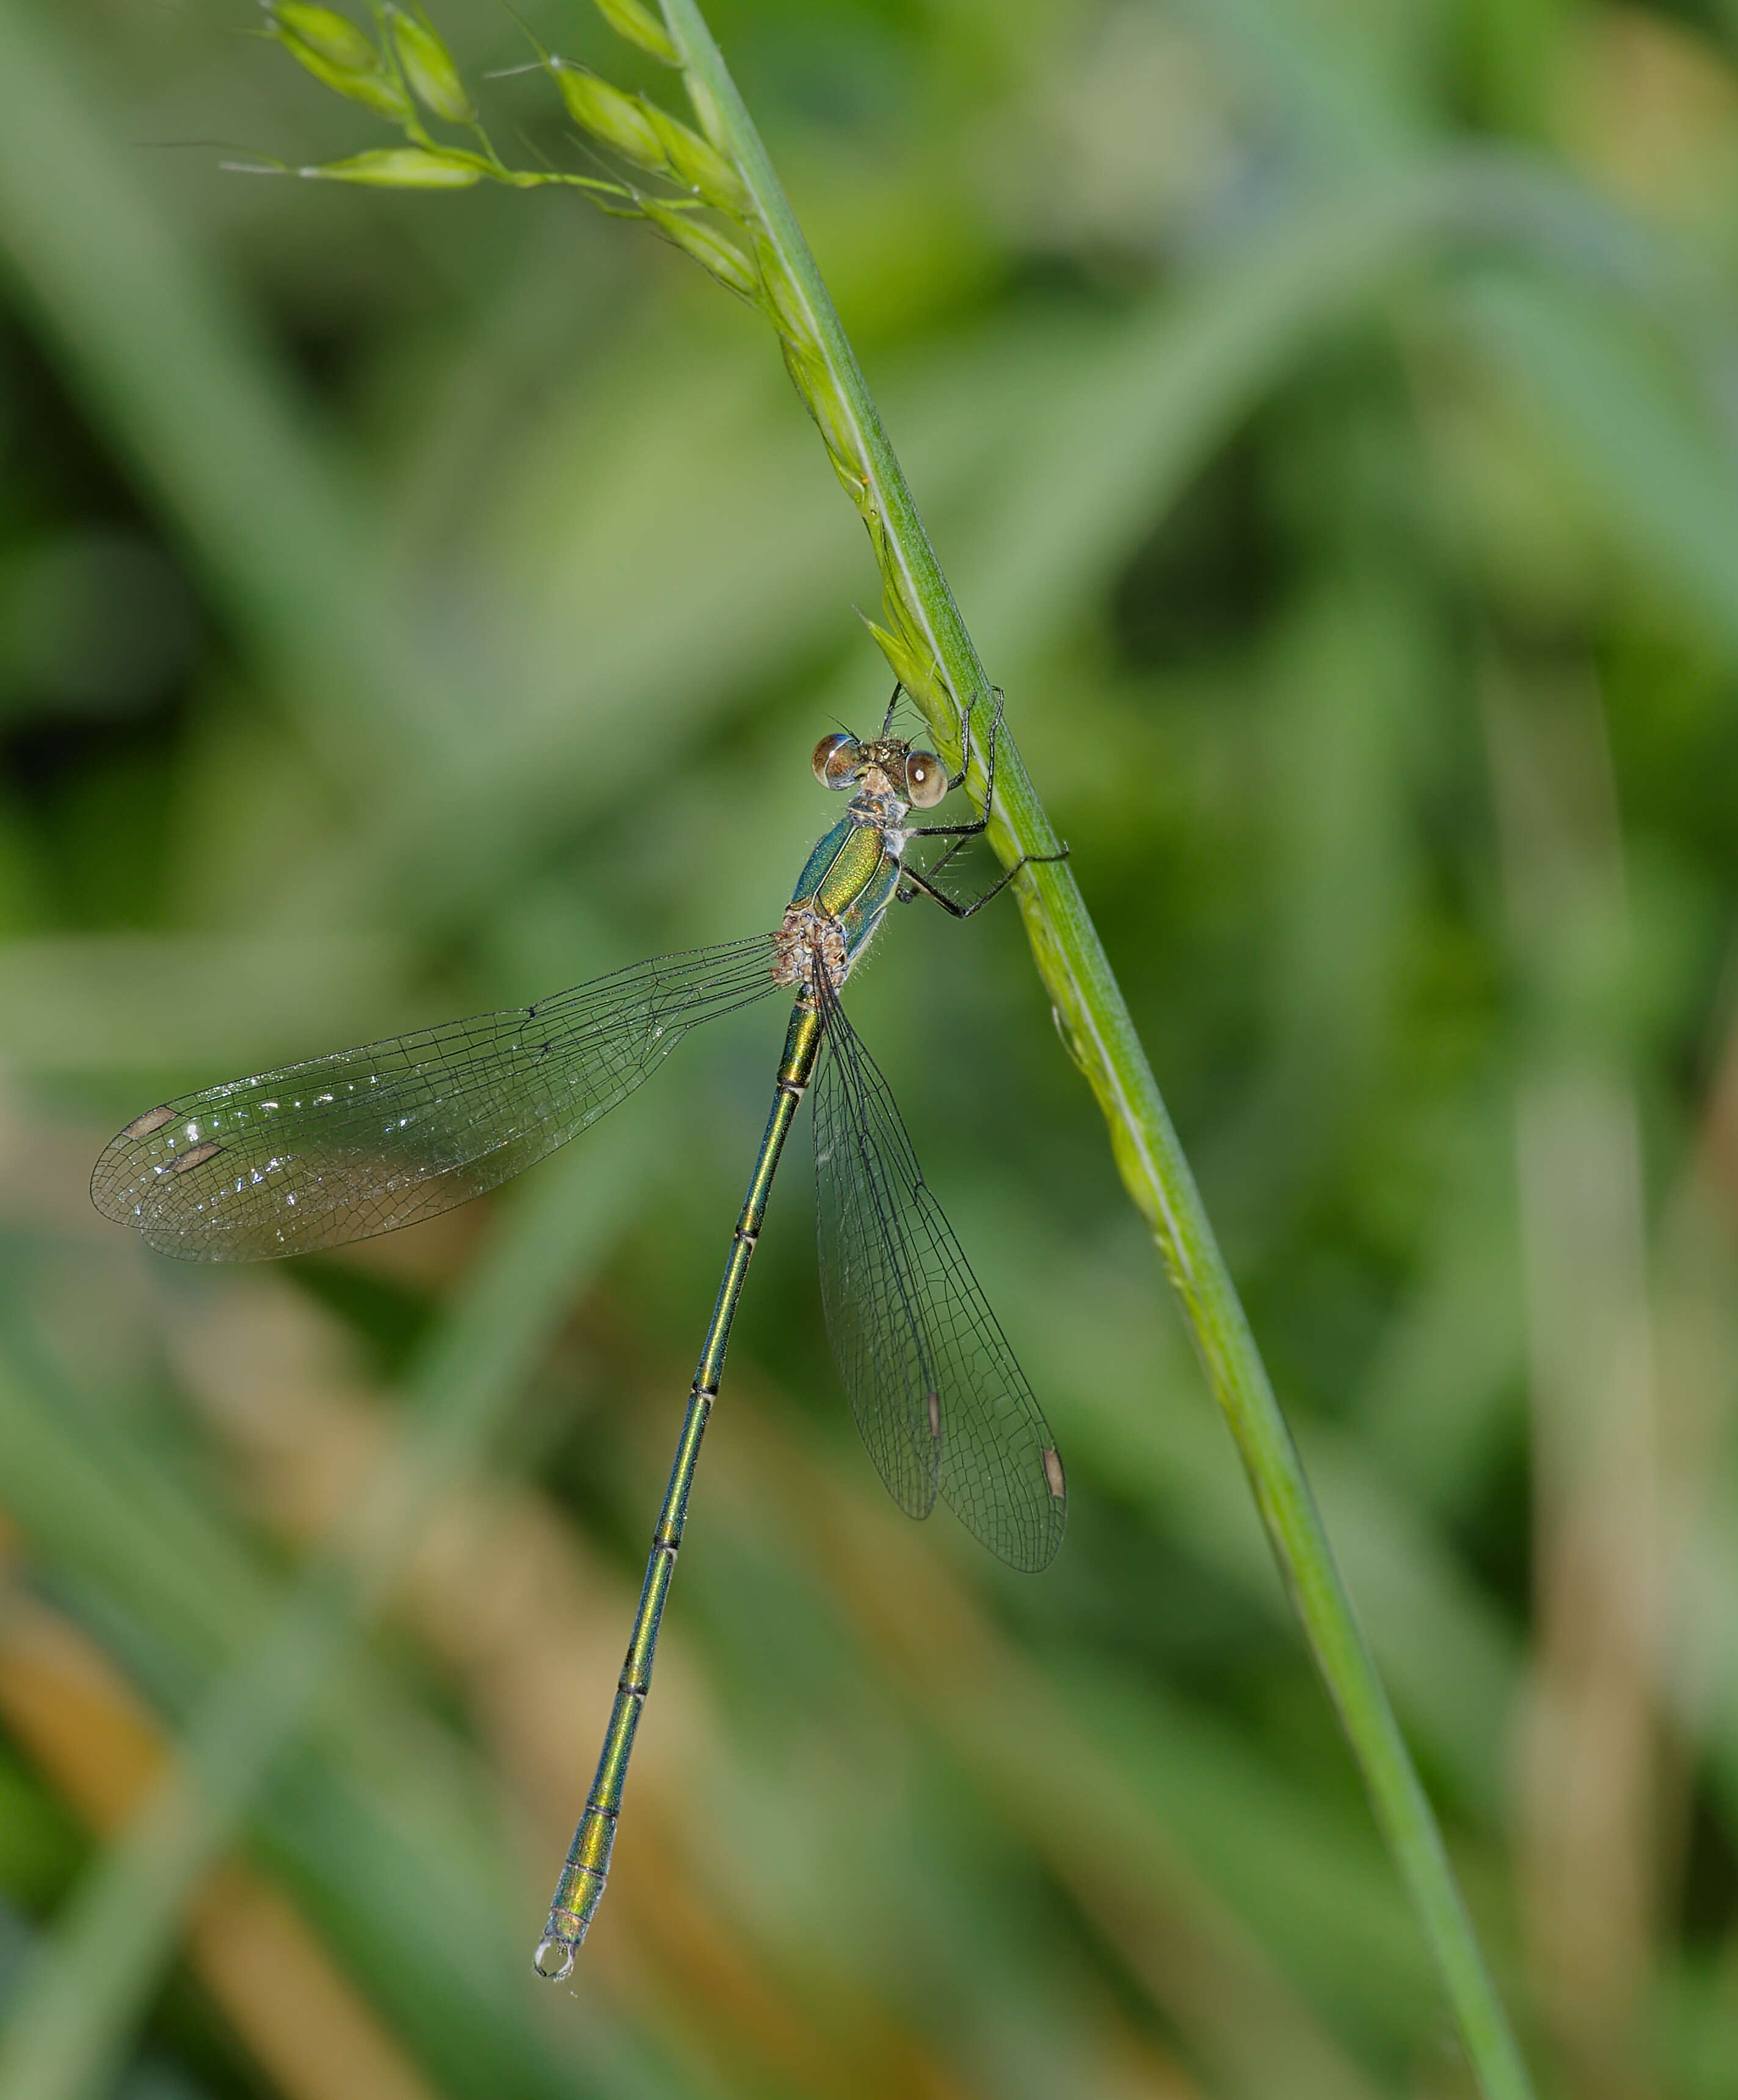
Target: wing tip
{"points": [[1035, 1563], [108, 1187]]}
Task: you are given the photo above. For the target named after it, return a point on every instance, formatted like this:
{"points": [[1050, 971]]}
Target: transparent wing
{"points": [[343, 1147], [943, 1405]]}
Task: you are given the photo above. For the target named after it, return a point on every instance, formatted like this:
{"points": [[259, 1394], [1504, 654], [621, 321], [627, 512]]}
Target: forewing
{"points": [[943, 1404], [343, 1147]]}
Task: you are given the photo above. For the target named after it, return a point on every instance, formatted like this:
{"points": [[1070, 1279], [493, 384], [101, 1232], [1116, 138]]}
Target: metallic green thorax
{"points": [[848, 883], [850, 876]]}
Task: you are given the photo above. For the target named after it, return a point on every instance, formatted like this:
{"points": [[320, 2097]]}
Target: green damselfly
{"points": [[341, 1147]]}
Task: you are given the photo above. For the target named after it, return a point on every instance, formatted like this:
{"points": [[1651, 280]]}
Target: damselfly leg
{"points": [[917, 882]]}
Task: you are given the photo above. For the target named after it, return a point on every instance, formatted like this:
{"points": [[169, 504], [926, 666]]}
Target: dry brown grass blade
{"points": [[1717, 1155], [103, 1752], [1592, 1772]]}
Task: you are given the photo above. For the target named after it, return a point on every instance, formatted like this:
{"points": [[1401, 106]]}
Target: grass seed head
{"points": [[609, 115], [434, 80], [628, 19], [711, 251]]}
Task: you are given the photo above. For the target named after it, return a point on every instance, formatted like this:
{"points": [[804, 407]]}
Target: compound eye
{"points": [[837, 758], [926, 779]]}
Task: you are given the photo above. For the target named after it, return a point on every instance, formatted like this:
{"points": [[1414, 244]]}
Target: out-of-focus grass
{"points": [[1328, 427]]}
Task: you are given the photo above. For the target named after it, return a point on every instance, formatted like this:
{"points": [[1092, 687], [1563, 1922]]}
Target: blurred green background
{"points": [[1327, 411]]}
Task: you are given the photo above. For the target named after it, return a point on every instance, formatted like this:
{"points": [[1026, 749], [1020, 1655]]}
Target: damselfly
{"points": [[343, 1147]]}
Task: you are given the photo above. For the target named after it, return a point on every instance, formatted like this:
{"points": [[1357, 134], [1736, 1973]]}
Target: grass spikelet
{"points": [[696, 162], [614, 119], [704, 104], [403, 168], [722, 258], [630, 21], [340, 57], [787, 310], [331, 36], [427, 65], [907, 663]]}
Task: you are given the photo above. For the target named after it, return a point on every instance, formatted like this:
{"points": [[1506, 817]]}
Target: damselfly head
{"points": [[888, 765]]}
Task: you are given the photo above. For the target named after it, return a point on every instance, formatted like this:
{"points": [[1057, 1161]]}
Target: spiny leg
{"points": [[906, 891], [958, 780], [920, 885], [970, 830], [917, 882], [965, 732]]}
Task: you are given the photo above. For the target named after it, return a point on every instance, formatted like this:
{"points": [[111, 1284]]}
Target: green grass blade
{"points": [[1663, 475], [1128, 420]]}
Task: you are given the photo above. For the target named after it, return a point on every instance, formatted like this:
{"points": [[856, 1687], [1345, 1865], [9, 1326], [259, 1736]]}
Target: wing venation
{"points": [[943, 1404], [343, 1147]]}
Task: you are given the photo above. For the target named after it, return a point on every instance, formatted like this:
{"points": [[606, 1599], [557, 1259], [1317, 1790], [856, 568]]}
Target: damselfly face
{"points": [[888, 766]]}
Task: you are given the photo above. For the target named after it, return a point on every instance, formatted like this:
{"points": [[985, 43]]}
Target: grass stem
{"points": [[1095, 1025]]}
